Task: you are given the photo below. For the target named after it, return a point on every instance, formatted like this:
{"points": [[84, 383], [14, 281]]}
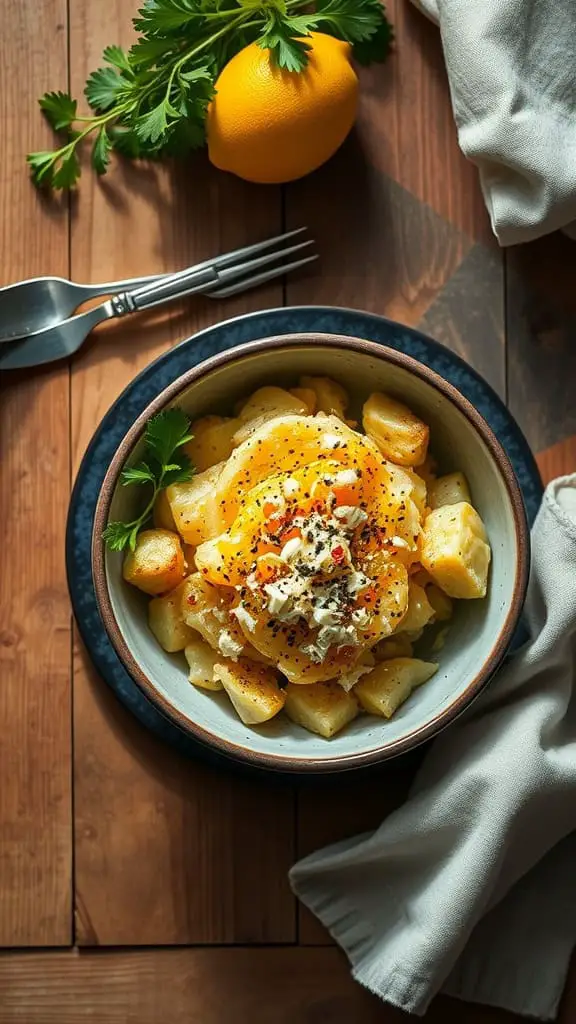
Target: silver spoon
{"points": [[41, 302]]}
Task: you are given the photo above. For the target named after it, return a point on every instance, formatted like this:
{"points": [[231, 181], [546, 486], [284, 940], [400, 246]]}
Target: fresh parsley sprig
{"points": [[152, 100], [164, 463]]}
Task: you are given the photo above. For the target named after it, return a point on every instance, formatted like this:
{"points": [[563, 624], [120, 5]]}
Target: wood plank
{"points": [[541, 325], [417, 144], [410, 240], [559, 460], [35, 792], [167, 851], [217, 986]]}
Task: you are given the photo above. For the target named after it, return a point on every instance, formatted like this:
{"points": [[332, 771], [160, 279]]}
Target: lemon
{"points": [[269, 125]]}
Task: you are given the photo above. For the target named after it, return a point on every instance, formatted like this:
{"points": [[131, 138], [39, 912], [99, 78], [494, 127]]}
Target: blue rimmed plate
{"points": [[173, 364]]}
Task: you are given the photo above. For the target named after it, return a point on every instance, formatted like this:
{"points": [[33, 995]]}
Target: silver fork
{"points": [[217, 278]]}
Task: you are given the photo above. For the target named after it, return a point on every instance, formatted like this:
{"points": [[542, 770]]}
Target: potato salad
{"points": [[299, 567]]}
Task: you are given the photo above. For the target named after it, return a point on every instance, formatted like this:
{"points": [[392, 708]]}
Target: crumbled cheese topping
{"points": [[346, 477], [330, 441], [350, 515], [291, 548], [314, 580], [290, 487], [244, 617], [349, 679], [399, 542], [228, 646], [321, 585]]}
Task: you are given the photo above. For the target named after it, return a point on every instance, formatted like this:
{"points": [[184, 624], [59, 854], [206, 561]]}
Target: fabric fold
{"points": [[512, 72]]}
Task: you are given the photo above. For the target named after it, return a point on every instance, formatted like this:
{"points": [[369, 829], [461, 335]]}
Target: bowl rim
{"points": [[283, 762]]}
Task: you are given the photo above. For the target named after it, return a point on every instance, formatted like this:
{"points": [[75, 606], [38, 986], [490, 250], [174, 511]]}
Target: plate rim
{"points": [[289, 763], [147, 713]]}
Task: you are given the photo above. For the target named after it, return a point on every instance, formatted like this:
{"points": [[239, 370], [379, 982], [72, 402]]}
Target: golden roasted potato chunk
{"points": [[323, 708], [308, 397], [419, 612], [212, 441], [427, 469], [193, 507], [455, 550], [166, 622], [449, 490], [331, 398], [162, 515], [440, 602], [201, 661], [396, 646], [272, 401], [157, 563], [189, 557], [386, 687], [207, 610], [418, 490], [252, 688], [399, 434]]}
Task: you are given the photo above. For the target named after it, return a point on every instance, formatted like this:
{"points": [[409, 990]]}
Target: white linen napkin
{"points": [[449, 891], [512, 71]]}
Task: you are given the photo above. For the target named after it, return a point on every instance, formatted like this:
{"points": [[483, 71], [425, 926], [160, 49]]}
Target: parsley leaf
{"points": [[103, 89], [101, 151], [281, 38], [124, 141], [179, 474], [159, 16], [118, 58], [118, 535], [153, 125], [349, 19], [59, 109], [67, 173], [41, 164], [166, 464], [377, 47], [137, 474], [167, 432]]}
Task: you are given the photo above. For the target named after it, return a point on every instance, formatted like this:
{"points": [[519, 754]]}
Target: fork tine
{"points": [[229, 258], [232, 273], [251, 282]]}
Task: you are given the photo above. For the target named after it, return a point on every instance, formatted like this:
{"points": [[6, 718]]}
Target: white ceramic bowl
{"points": [[481, 630]]}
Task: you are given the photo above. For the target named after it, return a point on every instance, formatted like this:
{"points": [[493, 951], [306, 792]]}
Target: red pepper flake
{"points": [[269, 509], [191, 599], [338, 554]]}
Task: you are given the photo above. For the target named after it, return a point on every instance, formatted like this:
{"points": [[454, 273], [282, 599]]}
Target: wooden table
{"points": [[136, 886]]}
